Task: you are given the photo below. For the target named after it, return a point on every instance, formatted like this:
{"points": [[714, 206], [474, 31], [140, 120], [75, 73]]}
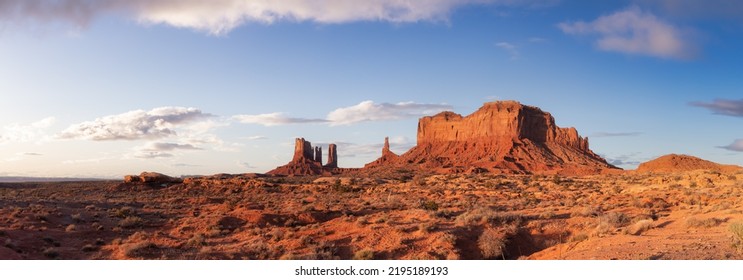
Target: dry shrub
{"points": [[639, 227], [487, 215], [579, 237], [737, 230], [492, 242], [131, 222], [615, 219], [364, 255], [139, 249], [703, 223], [587, 211]]}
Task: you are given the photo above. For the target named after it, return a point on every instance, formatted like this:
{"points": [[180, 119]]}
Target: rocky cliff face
{"points": [[332, 156], [503, 136]]}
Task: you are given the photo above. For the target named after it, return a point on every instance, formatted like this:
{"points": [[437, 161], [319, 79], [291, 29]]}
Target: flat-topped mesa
{"points": [[332, 156], [497, 122], [308, 161], [503, 136]]}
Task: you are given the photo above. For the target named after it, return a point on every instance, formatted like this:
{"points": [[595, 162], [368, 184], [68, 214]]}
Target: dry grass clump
{"points": [[485, 215], [364, 255], [694, 222], [131, 222], [737, 230], [139, 249], [492, 242], [640, 227]]}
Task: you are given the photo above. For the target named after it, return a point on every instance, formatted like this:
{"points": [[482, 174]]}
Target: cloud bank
{"points": [[222, 16], [366, 111], [274, 119], [633, 31], [27, 133], [736, 146], [135, 125], [723, 107]]}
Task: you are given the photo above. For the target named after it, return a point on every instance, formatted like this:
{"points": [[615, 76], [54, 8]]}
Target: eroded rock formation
{"points": [[387, 156], [307, 160], [503, 136], [318, 154], [332, 156]]}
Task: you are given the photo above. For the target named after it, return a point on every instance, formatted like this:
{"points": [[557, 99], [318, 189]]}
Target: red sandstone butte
{"points": [[307, 161], [503, 136]]}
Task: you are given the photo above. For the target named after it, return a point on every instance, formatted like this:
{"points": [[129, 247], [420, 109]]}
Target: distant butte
{"points": [[308, 161], [679, 163], [503, 136]]}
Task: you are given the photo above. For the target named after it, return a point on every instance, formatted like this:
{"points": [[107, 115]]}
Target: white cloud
{"points": [[134, 125], [160, 150], [274, 119], [363, 112], [256, 137], [736, 146], [221, 16], [510, 48], [27, 133], [370, 111], [634, 31]]}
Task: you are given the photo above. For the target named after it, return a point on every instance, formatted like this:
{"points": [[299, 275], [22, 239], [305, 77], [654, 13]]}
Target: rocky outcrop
{"points": [[318, 154], [387, 156], [302, 150], [503, 136], [332, 156], [307, 161], [681, 163], [151, 179]]}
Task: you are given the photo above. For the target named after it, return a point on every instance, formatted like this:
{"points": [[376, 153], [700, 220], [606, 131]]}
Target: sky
{"points": [[184, 87]]}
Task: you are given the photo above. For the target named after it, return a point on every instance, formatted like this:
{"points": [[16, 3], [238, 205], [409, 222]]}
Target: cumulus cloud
{"points": [[723, 107], [274, 119], [510, 48], [256, 137], [370, 111], [736, 146], [615, 134], [161, 150], [221, 16], [25, 133], [363, 112], [135, 125], [634, 31], [169, 147], [152, 155]]}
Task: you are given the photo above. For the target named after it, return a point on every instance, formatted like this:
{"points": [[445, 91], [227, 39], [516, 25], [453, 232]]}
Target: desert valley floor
{"points": [[629, 215]]}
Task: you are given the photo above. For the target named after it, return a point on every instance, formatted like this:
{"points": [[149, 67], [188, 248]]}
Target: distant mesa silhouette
{"points": [[680, 163]]}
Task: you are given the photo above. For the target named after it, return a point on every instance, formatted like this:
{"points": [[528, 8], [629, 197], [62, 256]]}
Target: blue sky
{"points": [[107, 88]]}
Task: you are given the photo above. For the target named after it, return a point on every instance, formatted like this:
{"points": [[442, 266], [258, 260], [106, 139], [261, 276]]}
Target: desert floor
{"points": [[693, 215]]}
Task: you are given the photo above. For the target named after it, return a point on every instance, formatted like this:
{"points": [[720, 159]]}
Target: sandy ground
{"points": [[692, 215]]}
